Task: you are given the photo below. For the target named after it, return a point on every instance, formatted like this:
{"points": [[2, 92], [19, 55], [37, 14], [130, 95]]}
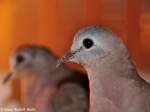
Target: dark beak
{"points": [[7, 78], [65, 58]]}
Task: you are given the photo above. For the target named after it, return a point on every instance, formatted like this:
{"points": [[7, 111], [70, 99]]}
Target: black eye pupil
{"points": [[19, 59], [88, 43]]}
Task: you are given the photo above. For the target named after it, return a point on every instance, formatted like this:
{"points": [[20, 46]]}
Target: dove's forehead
{"points": [[32, 50], [95, 33], [24, 50]]}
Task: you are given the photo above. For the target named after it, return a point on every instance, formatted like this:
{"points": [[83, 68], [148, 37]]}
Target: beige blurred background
{"points": [[54, 22]]}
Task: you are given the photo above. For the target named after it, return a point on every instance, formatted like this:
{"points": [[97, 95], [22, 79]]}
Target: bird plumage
{"points": [[115, 85], [45, 87]]}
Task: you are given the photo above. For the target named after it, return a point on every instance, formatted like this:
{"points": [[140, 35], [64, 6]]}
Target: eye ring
{"points": [[88, 43]]}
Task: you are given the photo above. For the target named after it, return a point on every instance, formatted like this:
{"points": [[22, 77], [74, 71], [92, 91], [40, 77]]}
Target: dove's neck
{"points": [[38, 87], [36, 94], [108, 81]]}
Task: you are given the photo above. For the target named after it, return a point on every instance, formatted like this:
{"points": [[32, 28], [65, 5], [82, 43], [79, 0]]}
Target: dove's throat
{"points": [[109, 83]]}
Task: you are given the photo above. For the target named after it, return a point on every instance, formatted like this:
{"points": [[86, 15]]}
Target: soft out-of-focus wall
{"points": [[6, 33], [53, 23]]}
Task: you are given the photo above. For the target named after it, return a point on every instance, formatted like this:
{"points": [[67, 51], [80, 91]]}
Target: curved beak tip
{"points": [[65, 58]]}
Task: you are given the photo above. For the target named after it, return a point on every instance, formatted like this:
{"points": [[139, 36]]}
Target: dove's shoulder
{"points": [[134, 74]]}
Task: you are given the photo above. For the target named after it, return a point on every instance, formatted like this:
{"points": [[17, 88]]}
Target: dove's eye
{"points": [[20, 59], [88, 43]]}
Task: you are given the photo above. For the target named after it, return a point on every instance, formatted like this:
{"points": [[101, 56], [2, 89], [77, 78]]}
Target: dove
{"points": [[45, 88], [6, 100], [115, 85]]}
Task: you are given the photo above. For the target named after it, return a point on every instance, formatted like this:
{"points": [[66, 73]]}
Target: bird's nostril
{"points": [[19, 59]]}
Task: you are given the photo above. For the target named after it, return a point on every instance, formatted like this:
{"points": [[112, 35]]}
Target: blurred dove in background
{"points": [[115, 85], [45, 87], [6, 91]]}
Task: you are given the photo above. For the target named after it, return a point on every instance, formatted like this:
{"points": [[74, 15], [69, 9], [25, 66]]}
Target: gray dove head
{"points": [[92, 44], [30, 59]]}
